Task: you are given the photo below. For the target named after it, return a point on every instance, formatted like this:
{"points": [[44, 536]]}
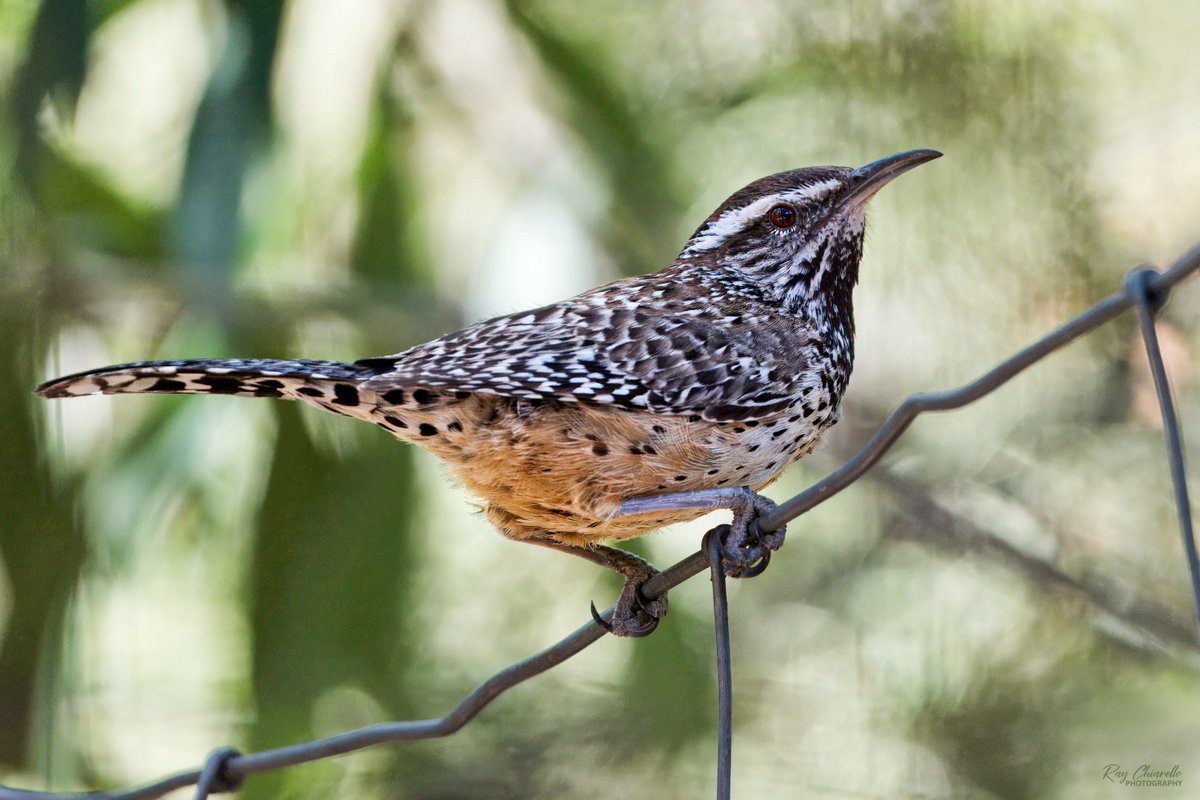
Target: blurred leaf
{"points": [[669, 688], [231, 125], [331, 582], [55, 67], [333, 600], [89, 212], [41, 543], [388, 248], [645, 203], [1003, 736]]}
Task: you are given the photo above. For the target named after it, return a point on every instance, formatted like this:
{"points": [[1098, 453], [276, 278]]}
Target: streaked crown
{"points": [[799, 233]]}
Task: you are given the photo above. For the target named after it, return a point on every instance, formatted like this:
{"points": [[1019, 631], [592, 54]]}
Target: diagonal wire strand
{"points": [[1153, 287], [918, 404]]}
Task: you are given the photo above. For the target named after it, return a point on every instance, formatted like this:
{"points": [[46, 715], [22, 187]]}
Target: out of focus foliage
{"points": [[338, 180]]}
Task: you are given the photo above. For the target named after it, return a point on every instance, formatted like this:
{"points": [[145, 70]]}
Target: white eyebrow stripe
{"points": [[735, 220], [732, 221], [810, 191]]}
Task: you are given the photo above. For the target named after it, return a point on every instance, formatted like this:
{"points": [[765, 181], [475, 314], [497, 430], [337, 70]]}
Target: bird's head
{"points": [[799, 234]]}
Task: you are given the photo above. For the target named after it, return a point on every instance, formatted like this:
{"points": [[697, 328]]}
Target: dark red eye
{"points": [[782, 216]]}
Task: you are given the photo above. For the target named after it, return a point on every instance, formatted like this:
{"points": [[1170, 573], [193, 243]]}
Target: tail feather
{"points": [[324, 383]]}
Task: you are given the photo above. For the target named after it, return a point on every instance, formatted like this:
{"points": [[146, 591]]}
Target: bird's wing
{"points": [[686, 360]]}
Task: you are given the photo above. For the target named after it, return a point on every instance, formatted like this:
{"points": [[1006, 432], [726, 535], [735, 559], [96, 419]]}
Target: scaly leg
{"points": [[746, 544], [634, 615]]}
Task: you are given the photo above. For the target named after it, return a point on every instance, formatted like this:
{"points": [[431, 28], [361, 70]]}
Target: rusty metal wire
{"points": [[1145, 290]]}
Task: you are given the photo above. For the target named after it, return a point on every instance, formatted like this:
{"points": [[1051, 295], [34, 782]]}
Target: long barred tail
{"points": [[330, 384]]}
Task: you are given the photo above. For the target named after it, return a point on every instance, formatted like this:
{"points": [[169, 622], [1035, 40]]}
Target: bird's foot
{"points": [[745, 548], [634, 614]]}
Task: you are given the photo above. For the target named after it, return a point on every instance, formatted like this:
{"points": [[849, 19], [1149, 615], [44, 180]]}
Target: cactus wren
{"points": [[648, 401]]}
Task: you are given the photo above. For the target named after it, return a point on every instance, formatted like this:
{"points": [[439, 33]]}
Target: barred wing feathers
{"points": [[681, 357]]}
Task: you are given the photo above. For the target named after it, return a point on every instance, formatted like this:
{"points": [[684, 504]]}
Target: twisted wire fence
{"points": [[1144, 289]]}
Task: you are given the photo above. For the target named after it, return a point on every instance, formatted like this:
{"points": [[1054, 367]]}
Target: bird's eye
{"points": [[782, 216]]}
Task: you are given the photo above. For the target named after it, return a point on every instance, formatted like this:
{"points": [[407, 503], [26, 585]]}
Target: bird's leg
{"points": [[746, 544], [635, 614]]}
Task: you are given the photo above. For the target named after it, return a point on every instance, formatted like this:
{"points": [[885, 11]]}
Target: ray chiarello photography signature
{"points": [[1143, 775]]}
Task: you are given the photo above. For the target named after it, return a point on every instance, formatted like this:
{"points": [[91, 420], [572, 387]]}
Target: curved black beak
{"points": [[866, 181]]}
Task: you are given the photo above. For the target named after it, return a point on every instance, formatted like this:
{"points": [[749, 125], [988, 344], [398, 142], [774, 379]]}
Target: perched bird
{"points": [[648, 401]]}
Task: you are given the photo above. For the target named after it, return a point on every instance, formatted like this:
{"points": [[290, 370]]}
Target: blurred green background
{"points": [[999, 611]]}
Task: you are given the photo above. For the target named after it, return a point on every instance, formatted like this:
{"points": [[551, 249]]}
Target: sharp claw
{"points": [[599, 620]]}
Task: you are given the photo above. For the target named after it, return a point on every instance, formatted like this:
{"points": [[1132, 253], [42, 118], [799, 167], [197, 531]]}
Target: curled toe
{"points": [[636, 615]]}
